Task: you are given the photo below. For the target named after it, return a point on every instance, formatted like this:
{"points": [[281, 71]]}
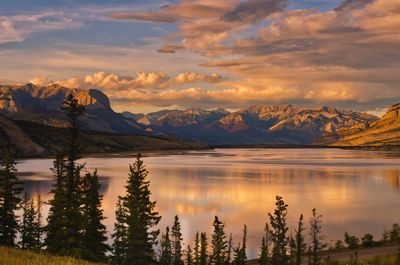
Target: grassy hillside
{"points": [[385, 131], [19, 257]]}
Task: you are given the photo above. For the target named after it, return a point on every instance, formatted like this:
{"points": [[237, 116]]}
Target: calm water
{"points": [[356, 191]]}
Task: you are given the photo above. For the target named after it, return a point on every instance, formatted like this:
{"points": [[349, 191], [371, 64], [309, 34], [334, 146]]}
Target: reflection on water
{"points": [[356, 191]]}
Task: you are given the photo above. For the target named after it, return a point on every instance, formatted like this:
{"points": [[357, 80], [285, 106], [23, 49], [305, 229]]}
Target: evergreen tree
{"points": [[166, 249], [31, 227], [38, 226], [196, 259], [219, 243], [240, 252], [10, 192], [278, 232], [119, 247], [28, 224], [316, 238], [56, 220], [73, 200], [264, 249], [230, 248], [141, 217], [177, 242], [65, 220], [203, 249], [189, 256], [292, 250], [300, 245], [94, 232]]}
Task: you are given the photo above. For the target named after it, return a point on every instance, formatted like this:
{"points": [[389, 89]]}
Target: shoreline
{"points": [[199, 147]]}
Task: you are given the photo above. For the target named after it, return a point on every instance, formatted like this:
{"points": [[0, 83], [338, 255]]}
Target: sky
{"points": [[152, 55]]}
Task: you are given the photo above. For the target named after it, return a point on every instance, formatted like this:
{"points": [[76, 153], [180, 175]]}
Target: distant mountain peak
{"points": [[43, 104], [384, 131], [262, 123]]}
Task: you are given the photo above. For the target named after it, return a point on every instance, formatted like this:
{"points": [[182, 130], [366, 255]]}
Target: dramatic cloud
{"points": [[254, 10], [272, 51], [154, 17], [204, 25], [144, 80]]}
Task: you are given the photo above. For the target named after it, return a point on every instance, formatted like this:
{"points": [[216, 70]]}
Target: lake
{"points": [[354, 190]]}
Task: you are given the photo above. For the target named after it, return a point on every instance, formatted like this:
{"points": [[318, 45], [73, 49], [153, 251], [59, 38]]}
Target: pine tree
{"points": [[219, 243], [230, 249], [196, 259], [240, 252], [166, 248], [141, 217], [292, 250], [300, 245], [65, 220], [56, 220], [10, 192], [94, 232], [176, 242], [31, 227], [38, 226], [316, 237], [203, 249], [28, 224], [264, 249], [189, 256], [278, 232], [119, 247], [73, 215]]}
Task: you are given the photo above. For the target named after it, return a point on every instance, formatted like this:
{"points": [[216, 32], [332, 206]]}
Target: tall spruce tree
{"points": [[56, 220], [73, 193], [177, 242], [65, 220], [278, 232], [230, 249], [264, 249], [166, 248], [31, 228], [300, 245], [316, 237], [120, 235], [141, 217], [94, 232], [219, 243], [203, 249], [240, 257], [28, 224], [189, 256], [38, 226], [196, 258], [10, 192], [292, 250]]}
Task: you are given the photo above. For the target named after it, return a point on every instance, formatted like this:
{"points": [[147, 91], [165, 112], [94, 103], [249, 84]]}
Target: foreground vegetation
{"points": [[12, 256], [378, 260]]}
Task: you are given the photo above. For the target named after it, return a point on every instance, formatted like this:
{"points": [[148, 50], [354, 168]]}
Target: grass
{"points": [[378, 260], [9, 256]]}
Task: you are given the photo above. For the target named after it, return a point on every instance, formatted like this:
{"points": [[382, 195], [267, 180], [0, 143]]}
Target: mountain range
{"points": [[385, 131], [43, 105], [279, 124], [258, 124]]}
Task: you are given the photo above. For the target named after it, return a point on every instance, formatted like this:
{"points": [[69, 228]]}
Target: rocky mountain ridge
{"points": [[384, 131], [258, 124], [43, 105]]}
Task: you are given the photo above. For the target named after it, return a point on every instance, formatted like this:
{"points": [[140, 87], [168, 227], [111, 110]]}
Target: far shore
{"points": [[205, 147]]}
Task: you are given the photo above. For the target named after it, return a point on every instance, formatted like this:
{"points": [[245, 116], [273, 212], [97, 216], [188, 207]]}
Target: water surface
{"points": [[357, 191]]}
